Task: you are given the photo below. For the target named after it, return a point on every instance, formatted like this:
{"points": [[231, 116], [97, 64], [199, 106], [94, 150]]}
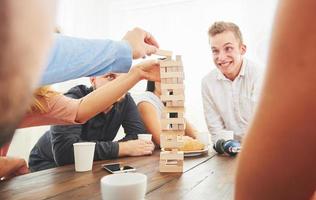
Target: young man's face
{"points": [[100, 81], [227, 53]]}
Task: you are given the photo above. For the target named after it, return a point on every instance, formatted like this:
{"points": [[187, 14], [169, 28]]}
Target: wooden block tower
{"points": [[172, 122]]}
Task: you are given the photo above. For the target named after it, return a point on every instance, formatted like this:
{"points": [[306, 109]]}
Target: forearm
{"points": [[9, 166], [190, 130], [106, 150], [123, 149], [75, 57], [105, 96], [151, 120], [283, 129]]}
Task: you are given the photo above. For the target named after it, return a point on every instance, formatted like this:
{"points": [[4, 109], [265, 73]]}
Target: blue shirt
{"points": [[73, 58]]}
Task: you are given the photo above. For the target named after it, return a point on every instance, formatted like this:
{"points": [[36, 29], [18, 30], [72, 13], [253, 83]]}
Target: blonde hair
{"points": [[41, 94], [221, 26], [40, 99]]}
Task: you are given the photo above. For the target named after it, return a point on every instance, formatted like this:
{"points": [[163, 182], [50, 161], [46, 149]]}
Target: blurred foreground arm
{"points": [[284, 127]]}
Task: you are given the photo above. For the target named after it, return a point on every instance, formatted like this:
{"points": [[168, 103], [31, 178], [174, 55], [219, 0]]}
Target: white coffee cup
{"points": [[84, 153], [225, 135], [131, 186], [146, 137], [204, 138]]}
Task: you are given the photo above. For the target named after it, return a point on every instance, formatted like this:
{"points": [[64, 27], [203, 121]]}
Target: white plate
{"points": [[195, 153]]}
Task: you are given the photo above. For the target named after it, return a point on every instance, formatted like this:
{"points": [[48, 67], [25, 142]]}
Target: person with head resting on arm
{"points": [[55, 147]]}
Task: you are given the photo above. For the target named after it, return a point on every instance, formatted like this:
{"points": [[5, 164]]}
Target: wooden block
{"points": [[178, 92], [164, 81], [172, 68], [170, 127], [170, 165], [171, 155], [163, 70], [172, 91], [178, 58], [175, 80], [180, 69], [166, 91], [172, 97], [161, 52], [178, 133], [172, 121], [179, 80], [170, 63], [178, 75], [172, 86], [167, 115], [181, 126], [173, 109], [168, 80], [170, 115], [171, 141], [175, 104]]}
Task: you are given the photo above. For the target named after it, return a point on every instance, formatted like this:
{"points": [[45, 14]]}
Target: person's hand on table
{"points": [[10, 167], [136, 148]]}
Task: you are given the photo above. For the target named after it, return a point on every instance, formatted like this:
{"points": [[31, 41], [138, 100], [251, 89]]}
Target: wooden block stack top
{"points": [[172, 122]]}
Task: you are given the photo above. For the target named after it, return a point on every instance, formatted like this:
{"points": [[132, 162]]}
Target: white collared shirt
{"points": [[230, 104]]}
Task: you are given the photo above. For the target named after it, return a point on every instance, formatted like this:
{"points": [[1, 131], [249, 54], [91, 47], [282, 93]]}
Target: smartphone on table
{"points": [[116, 168]]}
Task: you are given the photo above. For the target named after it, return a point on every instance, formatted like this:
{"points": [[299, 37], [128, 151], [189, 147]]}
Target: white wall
{"points": [[178, 25]]}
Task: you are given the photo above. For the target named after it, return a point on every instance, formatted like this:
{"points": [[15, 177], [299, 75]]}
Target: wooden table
{"points": [[205, 177]]}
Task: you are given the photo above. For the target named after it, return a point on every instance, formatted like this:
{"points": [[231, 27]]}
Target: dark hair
{"points": [[150, 86]]}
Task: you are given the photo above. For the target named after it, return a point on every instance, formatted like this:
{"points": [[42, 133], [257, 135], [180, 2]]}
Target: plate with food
{"points": [[193, 147]]}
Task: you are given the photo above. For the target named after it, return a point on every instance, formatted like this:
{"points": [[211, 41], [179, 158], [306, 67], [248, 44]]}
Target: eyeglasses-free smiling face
{"points": [[227, 53]]}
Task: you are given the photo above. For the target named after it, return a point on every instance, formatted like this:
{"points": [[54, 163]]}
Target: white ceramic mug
{"points": [[204, 138], [225, 135], [131, 186], [146, 137], [84, 153]]}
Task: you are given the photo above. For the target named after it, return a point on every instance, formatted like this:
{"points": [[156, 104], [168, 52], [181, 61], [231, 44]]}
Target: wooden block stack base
{"points": [[171, 161], [172, 122]]}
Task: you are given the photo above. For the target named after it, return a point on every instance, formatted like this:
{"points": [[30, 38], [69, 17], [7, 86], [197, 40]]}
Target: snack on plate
{"points": [[191, 144]]}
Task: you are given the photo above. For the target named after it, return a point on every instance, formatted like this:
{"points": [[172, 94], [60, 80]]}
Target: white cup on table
{"points": [[84, 153], [146, 137], [131, 186], [225, 135], [203, 137]]}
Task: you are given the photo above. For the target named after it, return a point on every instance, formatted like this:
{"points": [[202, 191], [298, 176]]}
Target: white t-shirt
{"points": [[150, 98]]}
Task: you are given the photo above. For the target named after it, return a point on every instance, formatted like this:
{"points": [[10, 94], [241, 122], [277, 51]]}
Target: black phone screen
{"points": [[117, 167]]}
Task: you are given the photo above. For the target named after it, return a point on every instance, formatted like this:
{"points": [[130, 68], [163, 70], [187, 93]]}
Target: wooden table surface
{"points": [[208, 176]]}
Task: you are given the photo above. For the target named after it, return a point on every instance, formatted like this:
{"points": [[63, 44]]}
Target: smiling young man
{"points": [[229, 92]]}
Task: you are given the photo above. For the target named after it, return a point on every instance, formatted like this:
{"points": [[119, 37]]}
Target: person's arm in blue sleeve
{"points": [[73, 58]]}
